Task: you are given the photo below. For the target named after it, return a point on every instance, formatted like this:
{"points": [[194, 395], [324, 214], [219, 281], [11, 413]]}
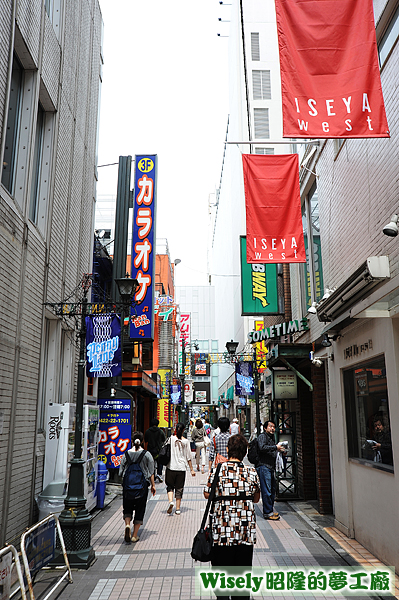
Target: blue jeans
{"points": [[267, 488]]}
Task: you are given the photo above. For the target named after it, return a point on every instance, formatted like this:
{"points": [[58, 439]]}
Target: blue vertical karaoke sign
{"points": [[143, 246]]}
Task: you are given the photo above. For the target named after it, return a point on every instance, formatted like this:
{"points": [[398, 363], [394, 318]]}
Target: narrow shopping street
{"points": [[159, 564]]}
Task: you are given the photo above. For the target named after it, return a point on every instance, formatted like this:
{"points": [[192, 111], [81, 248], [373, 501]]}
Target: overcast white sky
{"points": [[165, 92]]}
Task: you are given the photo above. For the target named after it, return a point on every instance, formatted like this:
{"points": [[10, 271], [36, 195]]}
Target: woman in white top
{"points": [[175, 476]]}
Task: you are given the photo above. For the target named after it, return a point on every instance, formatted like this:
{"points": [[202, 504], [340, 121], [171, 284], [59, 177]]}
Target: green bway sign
{"points": [[259, 295]]}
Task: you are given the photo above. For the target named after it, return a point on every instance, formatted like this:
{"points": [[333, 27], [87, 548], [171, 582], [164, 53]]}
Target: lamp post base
{"points": [[75, 522]]}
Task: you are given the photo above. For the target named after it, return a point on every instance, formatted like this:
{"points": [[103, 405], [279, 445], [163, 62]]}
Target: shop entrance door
{"points": [[287, 479]]}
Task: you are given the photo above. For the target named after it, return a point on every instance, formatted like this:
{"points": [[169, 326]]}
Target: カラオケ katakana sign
{"points": [[143, 247]]}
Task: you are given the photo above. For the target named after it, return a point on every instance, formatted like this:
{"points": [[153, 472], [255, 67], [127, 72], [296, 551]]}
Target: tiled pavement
{"points": [[159, 566]]}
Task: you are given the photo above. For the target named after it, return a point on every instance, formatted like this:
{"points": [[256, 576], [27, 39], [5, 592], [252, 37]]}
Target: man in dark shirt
{"points": [[265, 468], [383, 445], [155, 437]]}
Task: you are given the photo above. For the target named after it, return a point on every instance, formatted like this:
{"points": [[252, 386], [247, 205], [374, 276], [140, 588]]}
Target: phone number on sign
{"points": [[114, 420]]}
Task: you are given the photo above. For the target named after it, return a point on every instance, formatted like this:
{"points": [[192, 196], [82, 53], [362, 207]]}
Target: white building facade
{"points": [[50, 78], [256, 116]]}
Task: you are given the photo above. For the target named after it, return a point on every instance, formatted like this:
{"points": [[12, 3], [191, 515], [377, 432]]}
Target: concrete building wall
{"points": [[43, 257]]}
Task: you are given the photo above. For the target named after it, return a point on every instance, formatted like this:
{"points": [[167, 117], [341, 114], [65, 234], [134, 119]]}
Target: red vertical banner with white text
{"points": [[330, 75], [273, 209]]}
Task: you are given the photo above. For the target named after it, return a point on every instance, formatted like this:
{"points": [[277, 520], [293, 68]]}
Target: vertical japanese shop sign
{"points": [[115, 430], [184, 337], [318, 271], [143, 246], [259, 291], [330, 76], [163, 402], [261, 349], [103, 347]]}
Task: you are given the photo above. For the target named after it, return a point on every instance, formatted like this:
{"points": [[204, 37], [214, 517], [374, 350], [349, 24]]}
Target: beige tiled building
{"points": [[50, 77]]}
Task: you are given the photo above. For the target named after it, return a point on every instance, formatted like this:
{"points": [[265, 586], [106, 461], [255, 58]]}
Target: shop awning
{"points": [[291, 356]]}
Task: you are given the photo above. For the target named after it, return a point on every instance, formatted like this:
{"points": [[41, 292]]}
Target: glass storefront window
{"points": [[367, 413]]}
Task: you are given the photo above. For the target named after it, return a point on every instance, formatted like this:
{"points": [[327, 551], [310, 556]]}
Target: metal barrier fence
{"points": [[37, 550], [7, 550]]}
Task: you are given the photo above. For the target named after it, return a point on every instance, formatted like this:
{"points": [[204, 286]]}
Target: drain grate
{"points": [[308, 534]]}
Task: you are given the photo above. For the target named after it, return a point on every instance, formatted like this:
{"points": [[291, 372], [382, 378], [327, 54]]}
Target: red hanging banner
{"points": [[330, 76], [273, 209]]}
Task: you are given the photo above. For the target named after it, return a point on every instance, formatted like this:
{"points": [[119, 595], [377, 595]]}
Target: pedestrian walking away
{"points": [[197, 435], [233, 520], [137, 470], [234, 427], [265, 467], [175, 475], [218, 447], [154, 437]]}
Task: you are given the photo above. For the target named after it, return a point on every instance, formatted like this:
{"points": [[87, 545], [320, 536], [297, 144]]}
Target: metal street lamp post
{"points": [[75, 519]]}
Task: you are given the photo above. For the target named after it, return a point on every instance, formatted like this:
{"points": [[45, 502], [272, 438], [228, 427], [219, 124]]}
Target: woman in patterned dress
{"points": [[233, 521]]}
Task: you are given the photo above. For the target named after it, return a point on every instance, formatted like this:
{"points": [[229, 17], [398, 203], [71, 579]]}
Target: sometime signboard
{"points": [[275, 331], [143, 247], [259, 294]]}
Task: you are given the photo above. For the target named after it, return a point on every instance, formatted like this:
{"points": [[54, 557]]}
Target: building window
{"points": [[338, 143], [261, 122], [313, 288], [389, 38], [255, 52], [264, 150], [261, 85], [54, 13], [13, 125], [367, 413], [90, 386], [37, 164]]}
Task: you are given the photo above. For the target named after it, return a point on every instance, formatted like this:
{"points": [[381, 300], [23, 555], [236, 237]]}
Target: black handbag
{"points": [[164, 454], [203, 542]]}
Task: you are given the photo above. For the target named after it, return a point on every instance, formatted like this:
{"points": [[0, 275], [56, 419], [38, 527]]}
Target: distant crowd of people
{"points": [[226, 446]]}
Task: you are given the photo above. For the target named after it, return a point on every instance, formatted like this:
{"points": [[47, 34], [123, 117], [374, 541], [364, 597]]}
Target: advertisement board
{"points": [[115, 430], [103, 345], [285, 385], [259, 289]]}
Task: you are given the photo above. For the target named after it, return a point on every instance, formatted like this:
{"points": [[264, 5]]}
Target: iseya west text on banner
{"points": [[143, 246], [330, 76], [273, 209]]}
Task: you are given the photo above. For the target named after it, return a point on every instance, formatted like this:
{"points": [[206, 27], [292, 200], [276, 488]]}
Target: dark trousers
{"points": [[159, 468], [239, 555]]}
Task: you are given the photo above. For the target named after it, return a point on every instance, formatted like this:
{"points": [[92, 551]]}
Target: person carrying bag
{"points": [[203, 542], [198, 436]]}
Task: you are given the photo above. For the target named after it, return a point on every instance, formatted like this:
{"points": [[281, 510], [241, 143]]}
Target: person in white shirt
{"points": [[234, 427], [175, 476]]}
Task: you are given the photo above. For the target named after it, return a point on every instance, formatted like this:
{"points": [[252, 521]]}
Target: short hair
{"points": [[237, 446], [198, 424], [154, 422], [266, 423], [180, 427], [224, 424]]}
